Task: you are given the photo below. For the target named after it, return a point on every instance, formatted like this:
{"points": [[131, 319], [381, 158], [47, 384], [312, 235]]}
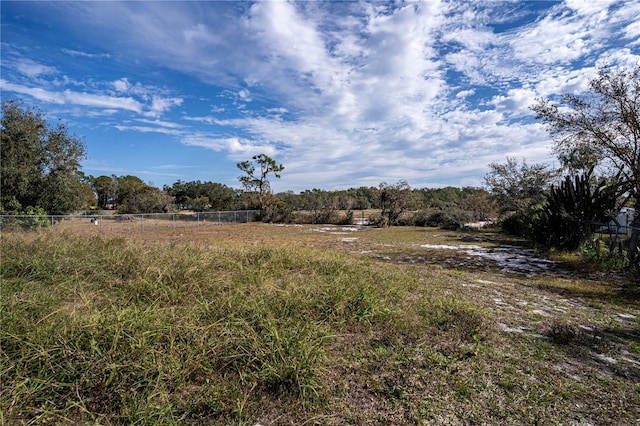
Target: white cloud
{"points": [[74, 98], [161, 104], [348, 93], [471, 39], [465, 93], [121, 85], [589, 8], [632, 32], [552, 41], [101, 101], [78, 53], [161, 123], [239, 148], [245, 95], [200, 33], [516, 102], [148, 129], [33, 69]]}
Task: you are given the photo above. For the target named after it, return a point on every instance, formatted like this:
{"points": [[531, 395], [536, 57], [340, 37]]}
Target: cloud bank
{"points": [[344, 94]]}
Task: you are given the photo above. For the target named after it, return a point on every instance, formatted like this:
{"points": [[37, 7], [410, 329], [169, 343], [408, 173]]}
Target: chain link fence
{"points": [[125, 223]]}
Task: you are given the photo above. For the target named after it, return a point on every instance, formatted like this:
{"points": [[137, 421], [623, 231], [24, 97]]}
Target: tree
{"points": [[128, 187], [479, 203], [106, 189], [191, 195], [40, 162], [601, 128], [516, 187], [146, 200], [135, 196], [257, 181], [221, 197], [181, 194], [393, 201]]}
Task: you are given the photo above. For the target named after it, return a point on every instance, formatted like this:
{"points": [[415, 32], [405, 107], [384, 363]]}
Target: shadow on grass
{"points": [[618, 291], [497, 253], [608, 348]]}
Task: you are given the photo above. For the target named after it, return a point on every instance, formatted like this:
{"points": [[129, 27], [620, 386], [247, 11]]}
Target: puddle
{"points": [[507, 258], [338, 230]]}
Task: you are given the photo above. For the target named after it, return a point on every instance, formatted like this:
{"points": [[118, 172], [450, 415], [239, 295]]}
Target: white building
{"points": [[621, 224]]}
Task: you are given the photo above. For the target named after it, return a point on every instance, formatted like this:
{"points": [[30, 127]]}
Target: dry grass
{"points": [[256, 323]]}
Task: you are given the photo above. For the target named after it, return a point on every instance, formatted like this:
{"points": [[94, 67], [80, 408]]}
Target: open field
{"points": [[110, 223], [255, 323]]}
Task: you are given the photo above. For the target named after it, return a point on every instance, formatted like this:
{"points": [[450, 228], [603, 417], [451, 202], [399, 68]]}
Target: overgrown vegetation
{"points": [[221, 331], [40, 163], [601, 128]]}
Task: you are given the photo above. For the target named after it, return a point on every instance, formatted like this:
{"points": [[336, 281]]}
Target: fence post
{"points": [[142, 222], [101, 219], [174, 220]]}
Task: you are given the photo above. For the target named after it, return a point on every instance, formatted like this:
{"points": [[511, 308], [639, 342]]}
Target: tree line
{"points": [[597, 143], [41, 175]]}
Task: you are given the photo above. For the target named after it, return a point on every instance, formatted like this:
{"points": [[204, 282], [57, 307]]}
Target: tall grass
{"points": [[109, 331]]}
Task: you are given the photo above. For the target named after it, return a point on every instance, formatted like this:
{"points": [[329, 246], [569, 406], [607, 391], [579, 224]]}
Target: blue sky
{"points": [[343, 94]]}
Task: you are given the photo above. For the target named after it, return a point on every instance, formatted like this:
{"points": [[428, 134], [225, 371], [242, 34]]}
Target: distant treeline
{"points": [[449, 205]]}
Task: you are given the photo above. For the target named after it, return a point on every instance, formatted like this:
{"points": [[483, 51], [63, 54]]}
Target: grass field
{"points": [[309, 325]]}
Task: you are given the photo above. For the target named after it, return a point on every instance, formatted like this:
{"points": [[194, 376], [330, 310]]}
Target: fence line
{"points": [[124, 223]]}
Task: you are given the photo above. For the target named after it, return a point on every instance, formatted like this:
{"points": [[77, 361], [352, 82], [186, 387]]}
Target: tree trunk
{"points": [[634, 240]]}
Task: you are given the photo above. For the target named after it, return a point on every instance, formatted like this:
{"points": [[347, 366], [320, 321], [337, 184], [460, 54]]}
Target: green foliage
{"points": [[28, 219], [480, 205], [257, 182], [191, 196], [516, 187], [128, 187], [451, 219], [519, 224], [129, 194], [601, 127], [106, 189], [146, 200], [393, 201], [567, 218], [448, 219], [603, 256], [40, 162]]}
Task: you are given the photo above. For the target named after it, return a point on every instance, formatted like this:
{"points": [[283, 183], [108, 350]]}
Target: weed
{"points": [[273, 325], [562, 333]]}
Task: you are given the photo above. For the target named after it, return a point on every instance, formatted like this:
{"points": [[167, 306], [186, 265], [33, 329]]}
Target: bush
{"points": [[519, 224], [29, 219], [450, 219], [565, 220]]}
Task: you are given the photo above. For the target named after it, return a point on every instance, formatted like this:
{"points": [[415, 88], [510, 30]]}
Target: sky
{"points": [[343, 94]]}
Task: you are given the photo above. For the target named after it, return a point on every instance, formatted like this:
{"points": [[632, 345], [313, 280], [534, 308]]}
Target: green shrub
{"points": [[448, 219], [567, 218]]}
